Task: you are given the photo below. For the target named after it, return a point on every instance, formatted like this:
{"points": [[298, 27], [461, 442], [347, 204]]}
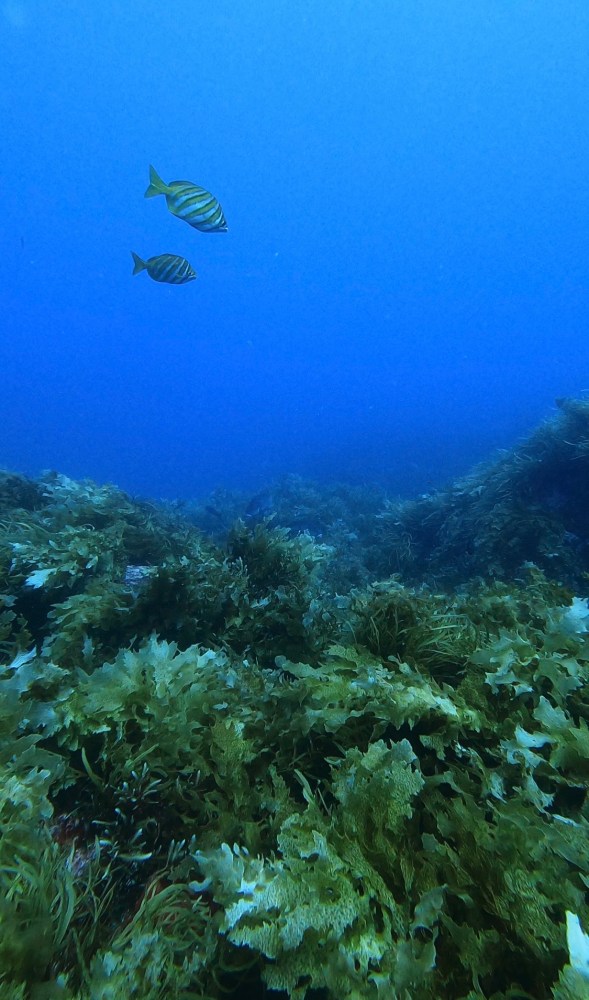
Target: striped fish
{"points": [[166, 267], [197, 207]]}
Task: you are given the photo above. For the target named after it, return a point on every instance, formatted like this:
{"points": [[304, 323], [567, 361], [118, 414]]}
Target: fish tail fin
{"points": [[140, 265], [156, 184]]}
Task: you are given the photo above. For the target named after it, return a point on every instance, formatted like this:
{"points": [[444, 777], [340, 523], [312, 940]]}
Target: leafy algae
{"points": [[218, 775]]}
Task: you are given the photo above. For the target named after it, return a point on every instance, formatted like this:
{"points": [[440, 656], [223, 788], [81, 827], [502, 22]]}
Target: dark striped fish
{"points": [[167, 267], [197, 207]]}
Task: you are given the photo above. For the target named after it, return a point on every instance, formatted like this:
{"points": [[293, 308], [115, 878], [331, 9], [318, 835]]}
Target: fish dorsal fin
{"points": [[156, 184]]}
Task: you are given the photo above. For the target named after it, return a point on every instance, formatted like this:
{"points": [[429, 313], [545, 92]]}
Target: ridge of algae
{"points": [[220, 772]]}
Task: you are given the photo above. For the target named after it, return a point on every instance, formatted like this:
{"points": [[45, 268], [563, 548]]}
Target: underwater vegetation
{"points": [[527, 505], [243, 763]]}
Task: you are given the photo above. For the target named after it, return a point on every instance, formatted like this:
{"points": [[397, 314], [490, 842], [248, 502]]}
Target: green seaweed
{"points": [[218, 774]]}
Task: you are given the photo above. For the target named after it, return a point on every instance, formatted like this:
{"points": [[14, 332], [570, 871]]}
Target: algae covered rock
{"points": [[222, 771]]}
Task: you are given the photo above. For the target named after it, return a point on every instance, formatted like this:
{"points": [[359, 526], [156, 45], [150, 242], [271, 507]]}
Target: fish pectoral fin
{"points": [[156, 184], [140, 264]]}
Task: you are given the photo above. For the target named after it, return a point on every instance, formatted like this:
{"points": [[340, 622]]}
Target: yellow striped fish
{"points": [[166, 267], [197, 207]]}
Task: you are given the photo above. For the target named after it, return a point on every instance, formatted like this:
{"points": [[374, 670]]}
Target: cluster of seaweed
{"points": [[527, 505], [343, 516], [223, 773]]}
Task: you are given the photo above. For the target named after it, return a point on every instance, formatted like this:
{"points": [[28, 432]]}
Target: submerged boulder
{"points": [[529, 505]]}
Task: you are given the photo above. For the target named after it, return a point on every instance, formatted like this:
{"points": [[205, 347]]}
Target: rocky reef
{"points": [[334, 749]]}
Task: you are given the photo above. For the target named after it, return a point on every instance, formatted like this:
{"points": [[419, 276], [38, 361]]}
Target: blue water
{"points": [[405, 282]]}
